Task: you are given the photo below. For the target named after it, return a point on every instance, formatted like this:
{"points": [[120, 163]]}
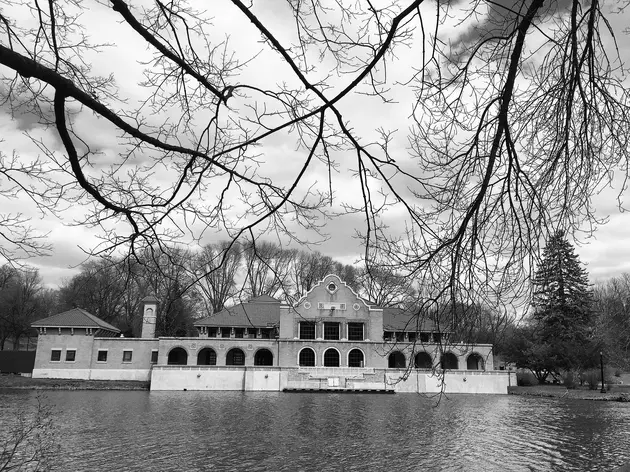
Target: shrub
{"points": [[592, 378], [569, 380], [525, 379]]}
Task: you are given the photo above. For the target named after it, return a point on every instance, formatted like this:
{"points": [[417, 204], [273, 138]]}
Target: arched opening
{"points": [[397, 360], [474, 362], [423, 360], [207, 356], [263, 357], [307, 357], [331, 358], [235, 356], [177, 356], [355, 358], [449, 361]]}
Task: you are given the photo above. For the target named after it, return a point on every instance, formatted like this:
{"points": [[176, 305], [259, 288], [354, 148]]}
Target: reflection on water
{"points": [[167, 431]]}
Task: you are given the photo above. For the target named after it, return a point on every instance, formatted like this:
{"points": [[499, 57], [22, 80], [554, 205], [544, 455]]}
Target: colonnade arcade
{"points": [[424, 360], [208, 356]]}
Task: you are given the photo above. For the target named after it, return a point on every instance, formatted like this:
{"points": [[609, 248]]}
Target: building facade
{"points": [[330, 340]]}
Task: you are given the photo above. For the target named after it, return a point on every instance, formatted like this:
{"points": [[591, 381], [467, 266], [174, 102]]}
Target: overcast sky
{"points": [[607, 254]]}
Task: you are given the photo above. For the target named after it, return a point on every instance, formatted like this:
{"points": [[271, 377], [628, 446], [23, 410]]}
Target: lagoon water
{"points": [[197, 431]]}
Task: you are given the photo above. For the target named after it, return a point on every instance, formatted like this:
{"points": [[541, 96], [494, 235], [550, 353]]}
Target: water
{"points": [[196, 431]]}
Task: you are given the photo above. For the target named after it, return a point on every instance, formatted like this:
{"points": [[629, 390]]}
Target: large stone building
{"points": [[330, 340]]}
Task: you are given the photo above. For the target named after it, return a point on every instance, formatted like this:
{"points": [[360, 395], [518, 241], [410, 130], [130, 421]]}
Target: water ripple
{"points": [[226, 431]]}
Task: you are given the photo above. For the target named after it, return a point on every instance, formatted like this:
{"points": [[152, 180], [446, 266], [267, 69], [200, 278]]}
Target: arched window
{"points": [[307, 357], [449, 361], [207, 356], [235, 356], [177, 356], [423, 360], [331, 358], [397, 360], [263, 357], [355, 358], [474, 362]]}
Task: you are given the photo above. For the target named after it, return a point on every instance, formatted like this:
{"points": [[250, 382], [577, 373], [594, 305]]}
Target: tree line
{"points": [[572, 323], [188, 284]]}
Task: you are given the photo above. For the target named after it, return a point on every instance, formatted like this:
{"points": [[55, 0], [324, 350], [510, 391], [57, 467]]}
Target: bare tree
{"points": [[21, 303], [519, 115], [218, 265]]}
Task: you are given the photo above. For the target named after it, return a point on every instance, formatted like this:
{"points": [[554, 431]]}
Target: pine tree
{"points": [[563, 306]]}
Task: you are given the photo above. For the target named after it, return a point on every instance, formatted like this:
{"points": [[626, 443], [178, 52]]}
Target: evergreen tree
{"points": [[563, 307]]}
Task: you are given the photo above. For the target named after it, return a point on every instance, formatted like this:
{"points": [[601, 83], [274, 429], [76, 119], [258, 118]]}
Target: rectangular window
{"points": [[239, 332], [387, 335], [226, 332], [400, 336], [154, 357], [437, 337], [265, 333], [307, 330], [425, 337], [412, 337], [331, 331], [101, 356], [55, 355], [355, 331], [71, 355], [127, 356], [212, 332], [251, 333]]}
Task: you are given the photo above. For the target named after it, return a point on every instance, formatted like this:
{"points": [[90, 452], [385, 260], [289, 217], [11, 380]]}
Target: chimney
{"points": [[149, 314]]}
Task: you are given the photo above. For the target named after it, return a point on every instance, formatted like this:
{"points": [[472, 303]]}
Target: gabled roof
{"points": [[75, 318], [397, 319], [259, 312]]}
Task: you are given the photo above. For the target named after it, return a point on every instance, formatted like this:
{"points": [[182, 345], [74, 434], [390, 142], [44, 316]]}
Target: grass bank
{"points": [[615, 394], [26, 383]]}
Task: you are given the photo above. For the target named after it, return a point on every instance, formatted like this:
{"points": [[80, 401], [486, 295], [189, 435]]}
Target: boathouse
{"points": [[330, 340]]}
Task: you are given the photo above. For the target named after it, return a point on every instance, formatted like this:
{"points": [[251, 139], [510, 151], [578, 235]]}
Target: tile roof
{"points": [[397, 319], [259, 312], [75, 318]]}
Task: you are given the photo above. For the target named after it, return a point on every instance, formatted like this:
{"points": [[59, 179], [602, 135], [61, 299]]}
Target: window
{"points": [[226, 332], [387, 335], [331, 358], [425, 337], [154, 357], [55, 355], [212, 332], [127, 356], [239, 332], [263, 357], [397, 360], [71, 355], [235, 357], [412, 337], [307, 330], [331, 331], [251, 333], [355, 358], [207, 356], [400, 336], [265, 333], [101, 356], [437, 337], [332, 287], [307, 357], [355, 331]]}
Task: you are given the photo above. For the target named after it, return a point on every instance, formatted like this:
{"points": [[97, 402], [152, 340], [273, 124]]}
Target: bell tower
{"points": [[149, 315]]}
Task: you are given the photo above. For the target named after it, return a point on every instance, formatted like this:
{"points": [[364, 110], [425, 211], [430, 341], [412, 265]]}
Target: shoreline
{"points": [[616, 394], [17, 382]]}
